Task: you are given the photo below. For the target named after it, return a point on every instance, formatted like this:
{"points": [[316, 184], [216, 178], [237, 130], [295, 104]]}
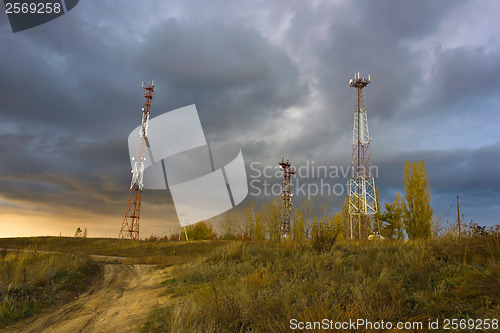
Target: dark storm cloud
{"points": [[376, 40], [271, 76], [463, 74], [44, 152], [234, 75], [62, 173], [69, 80], [471, 174], [372, 38], [461, 171]]}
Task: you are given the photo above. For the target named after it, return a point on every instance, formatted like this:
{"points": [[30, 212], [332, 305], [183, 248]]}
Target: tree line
{"points": [[409, 216]]}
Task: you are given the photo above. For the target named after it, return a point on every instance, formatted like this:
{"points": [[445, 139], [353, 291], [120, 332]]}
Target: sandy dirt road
{"points": [[119, 301]]}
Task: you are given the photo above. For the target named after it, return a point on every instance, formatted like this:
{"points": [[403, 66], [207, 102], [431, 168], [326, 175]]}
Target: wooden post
{"points": [[458, 220]]}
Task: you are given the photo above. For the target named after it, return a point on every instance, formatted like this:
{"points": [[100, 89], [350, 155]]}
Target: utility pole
{"points": [[185, 232], [458, 220]]}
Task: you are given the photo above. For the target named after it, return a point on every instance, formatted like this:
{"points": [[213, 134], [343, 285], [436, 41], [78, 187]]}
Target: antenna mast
{"points": [[362, 202], [286, 195], [130, 225]]}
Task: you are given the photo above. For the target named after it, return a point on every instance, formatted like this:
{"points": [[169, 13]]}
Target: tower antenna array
{"points": [[286, 195], [130, 225], [362, 202]]}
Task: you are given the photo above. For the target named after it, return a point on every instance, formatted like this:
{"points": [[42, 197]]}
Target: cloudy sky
{"points": [[269, 76]]}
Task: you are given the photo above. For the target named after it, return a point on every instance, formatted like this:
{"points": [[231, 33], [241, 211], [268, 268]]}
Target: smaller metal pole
{"points": [[458, 220]]}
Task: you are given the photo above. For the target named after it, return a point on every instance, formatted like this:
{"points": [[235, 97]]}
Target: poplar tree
{"points": [[338, 227], [392, 218], [229, 225], [248, 221], [298, 227], [417, 215], [272, 215], [308, 211], [346, 218], [260, 227]]}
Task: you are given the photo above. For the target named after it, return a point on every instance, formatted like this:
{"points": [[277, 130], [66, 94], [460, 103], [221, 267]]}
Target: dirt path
{"points": [[120, 301]]}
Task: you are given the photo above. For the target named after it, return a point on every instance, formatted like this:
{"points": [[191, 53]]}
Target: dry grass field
{"points": [[247, 286]]}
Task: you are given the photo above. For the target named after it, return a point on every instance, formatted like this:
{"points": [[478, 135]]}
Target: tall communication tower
{"points": [[362, 202], [286, 195], [130, 226]]}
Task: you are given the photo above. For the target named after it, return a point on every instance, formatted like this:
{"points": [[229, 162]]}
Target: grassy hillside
{"points": [[52, 269], [260, 287], [143, 252], [235, 286], [31, 281]]}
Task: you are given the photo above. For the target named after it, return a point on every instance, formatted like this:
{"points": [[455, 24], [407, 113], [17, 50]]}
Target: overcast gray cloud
{"points": [[232, 73], [270, 76]]}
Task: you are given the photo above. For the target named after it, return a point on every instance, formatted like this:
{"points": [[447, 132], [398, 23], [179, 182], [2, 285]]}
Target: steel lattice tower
{"points": [[362, 202], [286, 195], [130, 226]]}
